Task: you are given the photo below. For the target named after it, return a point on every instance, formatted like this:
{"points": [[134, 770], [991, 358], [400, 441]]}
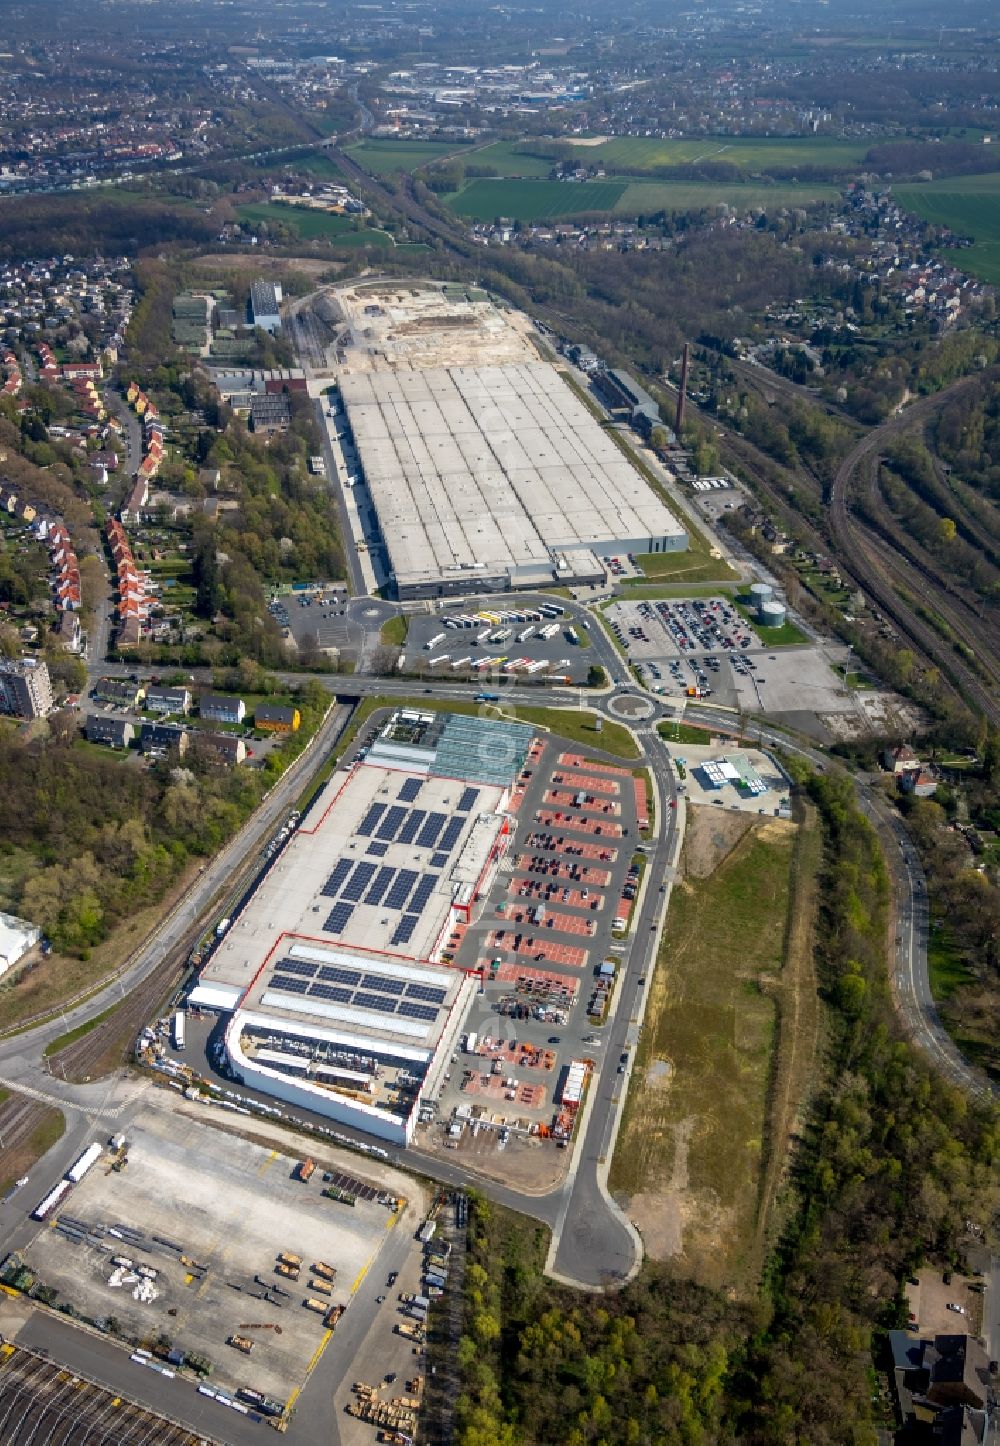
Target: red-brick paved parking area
{"points": [[577, 760], [494, 1086], [537, 947], [605, 827], [586, 783], [551, 868], [565, 923], [555, 893], [562, 798], [530, 980], [553, 843]]}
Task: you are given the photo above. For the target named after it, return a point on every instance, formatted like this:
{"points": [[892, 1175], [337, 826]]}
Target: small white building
{"points": [[17, 937]]}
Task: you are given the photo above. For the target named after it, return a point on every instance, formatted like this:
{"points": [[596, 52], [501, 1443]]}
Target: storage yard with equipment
{"points": [[483, 478], [229, 1249]]}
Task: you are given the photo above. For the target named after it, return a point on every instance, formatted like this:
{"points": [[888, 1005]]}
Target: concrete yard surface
{"points": [[232, 1206]]}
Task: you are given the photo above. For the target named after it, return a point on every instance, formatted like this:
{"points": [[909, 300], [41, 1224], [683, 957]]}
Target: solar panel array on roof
{"points": [[335, 973], [363, 874], [438, 861], [377, 850], [288, 985], [404, 932], [409, 830], [428, 992], [383, 983], [340, 871], [362, 1000], [422, 893], [370, 819], [428, 836], [411, 787], [450, 837], [338, 918], [302, 967], [336, 993], [400, 891], [416, 1011], [380, 883], [389, 826], [468, 798]]}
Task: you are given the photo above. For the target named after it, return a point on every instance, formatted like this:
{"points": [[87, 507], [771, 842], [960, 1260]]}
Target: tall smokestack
{"points": [[682, 392]]}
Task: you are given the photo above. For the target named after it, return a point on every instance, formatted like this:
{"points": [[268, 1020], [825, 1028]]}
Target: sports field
{"points": [[314, 225], [749, 153], [969, 206], [534, 200], [387, 157]]}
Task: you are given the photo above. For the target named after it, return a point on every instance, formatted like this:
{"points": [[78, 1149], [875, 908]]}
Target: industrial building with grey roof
{"points": [[486, 478]]}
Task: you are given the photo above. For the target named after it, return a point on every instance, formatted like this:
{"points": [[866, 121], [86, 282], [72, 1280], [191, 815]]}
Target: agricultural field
{"points": [[969, 206], [387, 157], [505, 160], [314, 225], [749, 153], [483, 200], [644, 198]]}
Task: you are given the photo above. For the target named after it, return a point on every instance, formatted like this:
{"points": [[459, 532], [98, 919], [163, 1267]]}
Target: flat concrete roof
{"points": [[492, 468], [381, 845]]}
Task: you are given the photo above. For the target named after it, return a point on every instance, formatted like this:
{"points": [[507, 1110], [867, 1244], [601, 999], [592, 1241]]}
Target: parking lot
{"points": [[325, 618], [536, 641], [556, 920], [203, 1217]]}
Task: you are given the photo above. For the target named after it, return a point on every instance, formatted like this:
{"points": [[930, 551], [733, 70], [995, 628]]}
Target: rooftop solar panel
{"points": [[374, 1001], [467, 800], [427, 838], [377, 850], [380, 883], [427, 992], [438, 861], [422, 893], [400, 891], [417, 1011], [335, 974], [336, 993], [370, 819], [302, 967], [411, 787], [450, 837], [404, 929], [340, 871], [288, 985], [409, 830], [389, 826], [363, 874], [338, 918], [386, 986]]}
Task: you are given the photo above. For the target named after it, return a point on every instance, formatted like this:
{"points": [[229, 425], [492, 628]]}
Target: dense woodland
{"points": [[891, 1165]]}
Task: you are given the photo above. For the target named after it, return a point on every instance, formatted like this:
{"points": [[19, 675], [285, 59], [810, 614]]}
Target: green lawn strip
{"points": [[785, 636], [674, 732], [643, 773], [578, 726], [62, 1041], [394, 630]]}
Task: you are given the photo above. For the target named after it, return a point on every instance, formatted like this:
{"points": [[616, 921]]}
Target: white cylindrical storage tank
{"points": [[772, 614], [760, 592]]}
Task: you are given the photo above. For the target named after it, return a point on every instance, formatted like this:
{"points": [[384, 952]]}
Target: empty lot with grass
{"points": [[314, 225], [387, 157], [727, 1047], [749, 153], [969, 206]]}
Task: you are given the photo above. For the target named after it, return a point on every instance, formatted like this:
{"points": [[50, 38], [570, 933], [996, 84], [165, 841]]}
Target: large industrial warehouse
{"points": [[485, 477], [329, 969]]}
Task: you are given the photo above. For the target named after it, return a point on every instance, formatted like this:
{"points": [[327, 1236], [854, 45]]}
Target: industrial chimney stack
{"points": [[682, 392]]}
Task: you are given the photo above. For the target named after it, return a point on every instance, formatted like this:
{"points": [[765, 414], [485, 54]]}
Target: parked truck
{"points": [[290, 1272], [322, 1287], [320, 1267], [87, 1160], [317, 1305], [307, 1168], [240, 1343]]}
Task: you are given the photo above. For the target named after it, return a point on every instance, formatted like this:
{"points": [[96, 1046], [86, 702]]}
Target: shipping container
{"points": [[433, 642], [179, 1040]]}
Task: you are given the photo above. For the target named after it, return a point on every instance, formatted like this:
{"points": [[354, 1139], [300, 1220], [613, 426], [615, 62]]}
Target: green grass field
{"points": [[749, 153], [969, 206], [314, 225], [505, 160], [535, 200], [386, 157], [644, 197]]}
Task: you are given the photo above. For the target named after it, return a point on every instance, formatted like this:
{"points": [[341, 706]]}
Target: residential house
{"points": [[221, 709], [941, 1381], [226, 748], [120, 691], [900, 759], [918, 781], [168, 700], [111, 730], [159, 738], [276, 718], [67, 632]]}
